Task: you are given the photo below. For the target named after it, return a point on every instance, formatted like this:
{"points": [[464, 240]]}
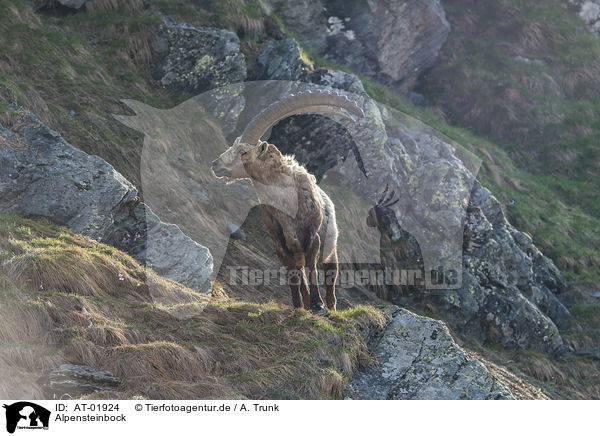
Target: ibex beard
{"points": [[298, 215]]}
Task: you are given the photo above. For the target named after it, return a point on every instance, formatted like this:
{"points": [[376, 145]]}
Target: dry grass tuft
{"points": [[521, 389], [541, 368], [63, 295], [248, 17], [532, 37]]}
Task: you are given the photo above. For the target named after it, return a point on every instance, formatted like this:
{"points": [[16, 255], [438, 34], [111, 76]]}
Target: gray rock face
{"points": [[280, 60], [509, 289], [417, 359], [195, 59], [77, 380], [589, 11], [508, 293], [392, 41], [44, 176], [305, 19]]}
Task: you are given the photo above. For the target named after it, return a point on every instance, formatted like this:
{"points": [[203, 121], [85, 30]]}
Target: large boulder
{"points": [[41, 175], [417, 359], [392, 41], [508, 292], [195, 59]]}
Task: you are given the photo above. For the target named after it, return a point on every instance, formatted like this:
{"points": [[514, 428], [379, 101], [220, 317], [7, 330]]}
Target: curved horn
{"points": [[387, 198], [309, 102], [381, 200], [391, 203], [390, 198]]}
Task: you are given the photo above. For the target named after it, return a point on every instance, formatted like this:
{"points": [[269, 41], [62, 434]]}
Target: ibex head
{"points": [[230, 163], [248, 148]]}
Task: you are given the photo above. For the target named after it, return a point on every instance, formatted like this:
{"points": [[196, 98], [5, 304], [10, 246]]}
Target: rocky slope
{"points": [[508, 296], [41, 175], [32, 153], [523, 74], [417, 359], [509, 289], [116, 338], [508, 292], [392, 41]]}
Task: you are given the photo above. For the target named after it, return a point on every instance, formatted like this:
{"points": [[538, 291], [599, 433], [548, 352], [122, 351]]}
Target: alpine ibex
{"points": [[298, 215]]}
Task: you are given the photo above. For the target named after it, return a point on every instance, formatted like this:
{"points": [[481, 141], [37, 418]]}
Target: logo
{"points": [[390, 185], [25, 415]]}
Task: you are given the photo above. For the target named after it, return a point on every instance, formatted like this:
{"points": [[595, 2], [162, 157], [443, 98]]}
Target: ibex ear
{"points": [[262, 148], [267, 150], [272, 150]]}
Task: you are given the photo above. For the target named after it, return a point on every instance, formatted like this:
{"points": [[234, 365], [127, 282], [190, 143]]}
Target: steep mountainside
{"points": [[521, 76], [527, 76]]}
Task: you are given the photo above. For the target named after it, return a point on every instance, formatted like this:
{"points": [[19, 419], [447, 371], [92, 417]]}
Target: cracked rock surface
{"points": [[391, 41], [417, 359]]}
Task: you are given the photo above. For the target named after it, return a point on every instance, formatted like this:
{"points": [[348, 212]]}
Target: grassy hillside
{"points": [[525, 96], [73, 68], [528, 89], [66, 298], [526, 75]]}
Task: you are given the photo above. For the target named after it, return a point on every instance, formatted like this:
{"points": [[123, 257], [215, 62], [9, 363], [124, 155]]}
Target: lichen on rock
{"points": [[195, 59], [417, 359], [280, 60]]}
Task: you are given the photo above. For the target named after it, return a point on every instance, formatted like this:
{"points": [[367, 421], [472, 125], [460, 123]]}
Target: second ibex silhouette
{"points": [[298, 215]]}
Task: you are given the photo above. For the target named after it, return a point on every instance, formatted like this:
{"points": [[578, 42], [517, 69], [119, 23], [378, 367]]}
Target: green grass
{"points": [[544, 115], [215, 346], [82, 64]]}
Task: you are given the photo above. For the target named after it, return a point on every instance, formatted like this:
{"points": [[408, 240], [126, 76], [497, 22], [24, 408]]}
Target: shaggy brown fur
{"points": [[298, 215]]}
